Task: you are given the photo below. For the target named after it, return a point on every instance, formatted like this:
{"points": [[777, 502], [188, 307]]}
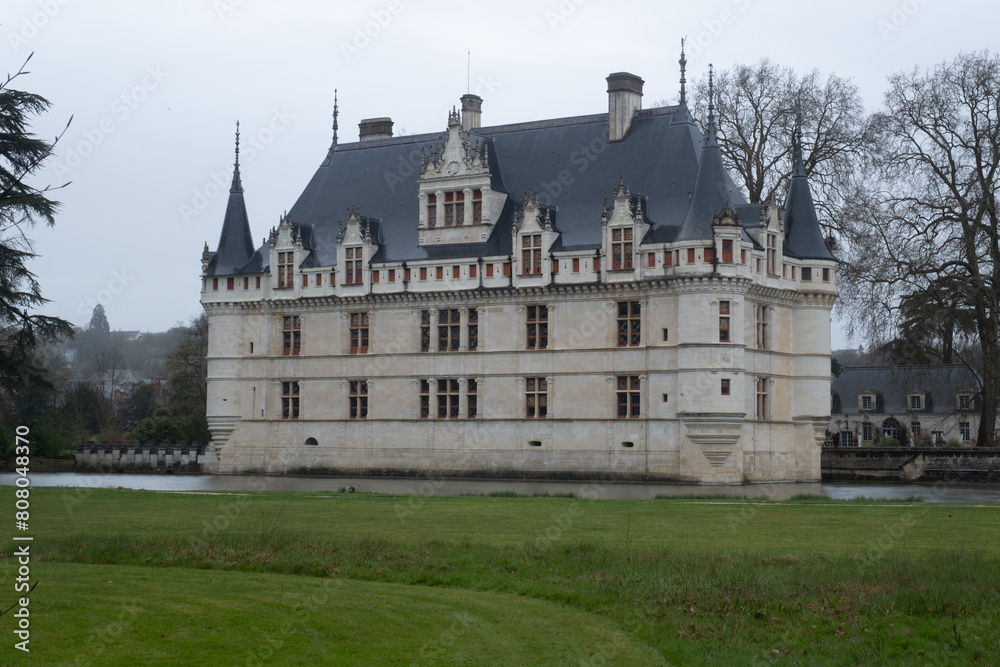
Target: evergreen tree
{"points": [[99, 321], [22, 206]]}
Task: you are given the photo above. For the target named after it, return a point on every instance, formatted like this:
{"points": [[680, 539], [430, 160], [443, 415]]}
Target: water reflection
{"points": [[451, 487]]}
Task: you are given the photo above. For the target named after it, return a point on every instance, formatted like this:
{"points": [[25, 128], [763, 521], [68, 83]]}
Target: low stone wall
{"points": [[911, 464], [134, 457]]}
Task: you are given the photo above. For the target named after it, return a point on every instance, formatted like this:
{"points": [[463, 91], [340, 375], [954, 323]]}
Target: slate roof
{"points": [[235, 243], [892, 384], [803, 236]]}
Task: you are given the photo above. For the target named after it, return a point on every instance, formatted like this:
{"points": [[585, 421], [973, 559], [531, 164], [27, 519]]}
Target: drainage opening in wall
{"points": [[311, 441], [535, 443], [628, 443]]}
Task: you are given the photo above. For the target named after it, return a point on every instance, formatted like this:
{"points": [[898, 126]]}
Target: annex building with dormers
{"points": [[566, 298]]}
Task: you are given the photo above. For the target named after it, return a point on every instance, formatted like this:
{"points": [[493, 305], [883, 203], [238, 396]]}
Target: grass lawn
{"points": [[133, 577]]}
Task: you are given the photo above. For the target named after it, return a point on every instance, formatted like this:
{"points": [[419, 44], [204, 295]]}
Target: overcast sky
{"points": [[155, 88]]}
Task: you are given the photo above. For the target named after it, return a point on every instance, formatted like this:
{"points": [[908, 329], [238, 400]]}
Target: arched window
{"points": [[891, 428]]}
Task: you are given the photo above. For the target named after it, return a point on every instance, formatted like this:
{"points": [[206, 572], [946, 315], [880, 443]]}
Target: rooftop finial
{"points": [[336, 112], [683, 62], [799, 165], [237, 184], [711, 93]]}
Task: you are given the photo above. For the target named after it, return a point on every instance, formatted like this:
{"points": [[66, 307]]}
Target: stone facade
{"points": [[474, 329]]}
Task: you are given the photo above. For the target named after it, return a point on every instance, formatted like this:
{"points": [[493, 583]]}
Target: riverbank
{"points": [[952, 465]]}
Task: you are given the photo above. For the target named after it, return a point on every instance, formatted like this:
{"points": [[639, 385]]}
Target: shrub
{"points": [[157, 430], [887, 442], [953, 443]]}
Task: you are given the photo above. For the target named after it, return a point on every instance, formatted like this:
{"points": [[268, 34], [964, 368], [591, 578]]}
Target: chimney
{"points": [[624, 99], [375, 128], [472, 112]]}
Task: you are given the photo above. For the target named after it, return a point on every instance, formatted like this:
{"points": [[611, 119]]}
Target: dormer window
{"points": [[286, 272], [432, 211], [916, 401], [964, 401], [621, 249], [531, 254], [477, 207], [867, 402], [454, 209], [772, 254], [352, 268]]}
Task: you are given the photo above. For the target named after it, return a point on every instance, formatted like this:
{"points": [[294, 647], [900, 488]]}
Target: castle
{"points": [[576, 297]]}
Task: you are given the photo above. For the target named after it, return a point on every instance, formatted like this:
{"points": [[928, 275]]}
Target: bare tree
{"points": [[925, 219]]}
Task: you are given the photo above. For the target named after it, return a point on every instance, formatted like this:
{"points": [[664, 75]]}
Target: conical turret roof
{"points": [[235, 243], [803, 235]]}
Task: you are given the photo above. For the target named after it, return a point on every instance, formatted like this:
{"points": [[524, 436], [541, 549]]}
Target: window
{"points": [[826, 275], [289, 400], [725, 387], [359, 333], [375, 277], [392, 275], [352, 270], [258, 282], [890, 428], [867, 402], [964, 401], [454, 209], [333, 279], [621, 249], [690, 255], [846, 439], [406, 275], [762, 405], [743, 256], [447, 398], [758, 265], [305, 280], [538, 327], [666, 334], [915, 429], [937, 437], [709, 255], [215, 284], [489, 270], [762, 338], [291, 335], [867, 432], [576, 265], [807, 274], [772, 254], [477, 207], [627, 395], [536, 398], [230, 283], [473, 329], [965, 431], [285, 270], [319, 279], [423, 273], [531, 254], [472, 270], [629, 334], [651, 260], [449, 329], [668, 258], [506, 269], [425, 399], [439, 273], [723, 321], [432, 211], [472, 394], [727, 252], [916, 402], [425, 331], [358, 399]]}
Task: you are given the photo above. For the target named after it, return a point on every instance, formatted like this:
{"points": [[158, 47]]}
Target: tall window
{"points": [[447, 398], [727, 252], [915, 429], [866, 402], [531, 254], [629, 334], [358, 398], [965, 431], [286, 270], [289, 400], [454, 209], [352, 275], [621, 249], [291, 335], [425, 399], [473, 329], [762, 406], [449, 329], [425, 331], [472, 395], [772, 254], [359, 333], [846, 439], [432, 209], [477, 207], [723, 321], [763, 343], [536, 398], [538, 327], [627, 395], [867, 432]]}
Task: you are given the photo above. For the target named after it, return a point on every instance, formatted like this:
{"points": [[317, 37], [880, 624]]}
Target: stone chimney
{"points": [[472, 112], [624, 99], [375, 128]]}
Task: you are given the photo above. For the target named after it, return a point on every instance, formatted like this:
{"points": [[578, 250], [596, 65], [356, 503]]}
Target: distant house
{"points": [[70, 355], [128, 336], [913, 404], [119, 384]]}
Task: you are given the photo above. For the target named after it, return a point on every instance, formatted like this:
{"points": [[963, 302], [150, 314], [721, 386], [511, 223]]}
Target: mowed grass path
{"points": [[281, 578]]}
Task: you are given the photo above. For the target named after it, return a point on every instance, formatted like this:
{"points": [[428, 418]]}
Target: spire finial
{"points": [[799, 164], [237, 183], [336, 112], [711, 93], [683, 62]]}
